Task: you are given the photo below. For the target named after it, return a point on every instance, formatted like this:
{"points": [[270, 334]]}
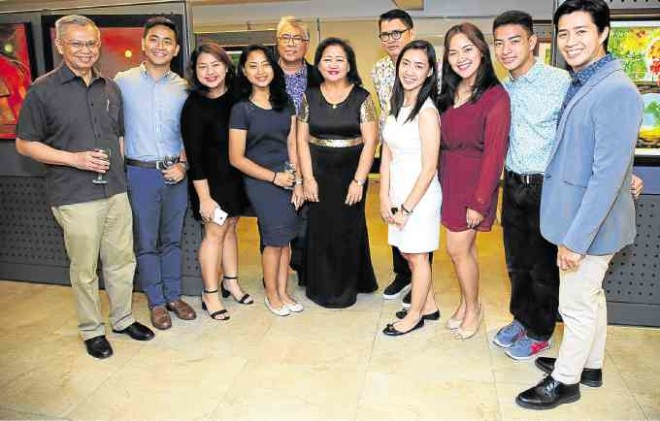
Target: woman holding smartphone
{"points": [[217, 185], [410, 194], [262, 141]]}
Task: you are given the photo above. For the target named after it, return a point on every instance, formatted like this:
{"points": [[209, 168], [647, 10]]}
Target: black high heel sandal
{"points": [[246, 299], [224, 313]]}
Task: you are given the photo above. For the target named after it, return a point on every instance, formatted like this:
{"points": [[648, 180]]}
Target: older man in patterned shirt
{"points": [[292, 44]]}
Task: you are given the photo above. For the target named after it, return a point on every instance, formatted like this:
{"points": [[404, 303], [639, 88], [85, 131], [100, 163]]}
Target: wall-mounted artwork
{"points": [[121, 42], [637, 44], [17, 69]]}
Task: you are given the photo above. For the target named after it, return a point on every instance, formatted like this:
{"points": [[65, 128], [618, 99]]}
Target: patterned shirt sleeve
{"points": [[303, 113], [367, 111]]}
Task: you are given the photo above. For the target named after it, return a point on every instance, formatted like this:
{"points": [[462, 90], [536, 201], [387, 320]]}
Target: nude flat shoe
{"points": [[464, 334]]}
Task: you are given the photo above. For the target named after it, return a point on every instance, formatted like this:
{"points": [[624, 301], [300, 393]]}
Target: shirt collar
{"points": [[144, 72], [299, 73], [583, 76], [532, 74], [65, 74]]}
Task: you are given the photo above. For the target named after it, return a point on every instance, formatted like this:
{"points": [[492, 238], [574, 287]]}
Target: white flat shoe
{"points": [[295, 307], [282, 311]]}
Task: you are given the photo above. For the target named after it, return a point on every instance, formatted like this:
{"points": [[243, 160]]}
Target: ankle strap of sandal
{"points": [[229, 277], [210, 292]]}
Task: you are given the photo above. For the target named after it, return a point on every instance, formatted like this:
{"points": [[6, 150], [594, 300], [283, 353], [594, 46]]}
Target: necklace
{"points": [[336, 103]]}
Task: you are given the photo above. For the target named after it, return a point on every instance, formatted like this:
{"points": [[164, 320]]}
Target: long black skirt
{"points": [[337, 257]]}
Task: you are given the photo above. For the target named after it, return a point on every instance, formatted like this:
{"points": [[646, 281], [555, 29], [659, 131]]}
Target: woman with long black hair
{"points": [[475, 113], [262, 139], [410, 195]]}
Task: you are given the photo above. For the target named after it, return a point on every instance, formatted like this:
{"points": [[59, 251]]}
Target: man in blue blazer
{"points": [[587, 207]]}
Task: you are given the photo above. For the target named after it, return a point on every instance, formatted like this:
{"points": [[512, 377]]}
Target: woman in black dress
{"points": [[205, 132], [336, 140], [262, 138]]}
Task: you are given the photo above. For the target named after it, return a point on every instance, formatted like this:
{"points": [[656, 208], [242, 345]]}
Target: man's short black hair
{"points": [[402, 15], [515, 17], [160, 20], [598, 9]]}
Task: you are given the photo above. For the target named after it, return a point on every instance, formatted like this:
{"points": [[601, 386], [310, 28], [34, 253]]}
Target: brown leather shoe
{"points": [[182, 310], [160, 318]]}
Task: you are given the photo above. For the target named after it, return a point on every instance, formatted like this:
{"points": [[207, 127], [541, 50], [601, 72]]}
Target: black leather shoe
{"points": [[430, 317], [98, 347], [390, 330], [548, 394], [137, 331], [592, 377]]}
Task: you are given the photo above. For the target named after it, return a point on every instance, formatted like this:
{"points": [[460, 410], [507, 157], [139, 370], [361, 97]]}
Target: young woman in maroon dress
{"points": [[475, 116]]}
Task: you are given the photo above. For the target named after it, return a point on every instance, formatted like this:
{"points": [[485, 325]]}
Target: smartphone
{"points": [[219, 216]]}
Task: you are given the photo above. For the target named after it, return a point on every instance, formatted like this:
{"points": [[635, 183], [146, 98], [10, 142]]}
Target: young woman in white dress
{"points": [[410, 194]]}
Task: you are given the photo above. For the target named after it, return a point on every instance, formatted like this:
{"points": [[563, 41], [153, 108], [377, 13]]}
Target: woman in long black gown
{"points": [[337, 132]]}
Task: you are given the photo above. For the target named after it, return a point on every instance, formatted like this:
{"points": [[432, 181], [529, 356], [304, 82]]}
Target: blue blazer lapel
{"points": [[591, 83]]}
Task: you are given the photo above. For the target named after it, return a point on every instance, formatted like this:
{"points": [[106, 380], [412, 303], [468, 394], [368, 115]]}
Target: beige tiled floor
{"points": [[318, 365]]}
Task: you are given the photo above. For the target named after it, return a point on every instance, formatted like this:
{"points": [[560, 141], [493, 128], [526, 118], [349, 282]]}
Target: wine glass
{"points": [[100, 177], [289, 168], [168, 161]]}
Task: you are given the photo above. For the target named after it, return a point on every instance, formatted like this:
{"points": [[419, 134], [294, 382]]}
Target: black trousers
{"points": [[530, 258], [400, 265], [297, 261]]}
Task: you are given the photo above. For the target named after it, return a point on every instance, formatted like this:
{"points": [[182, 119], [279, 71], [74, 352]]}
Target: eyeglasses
{"points": [[295, 40], [395, 35], [79, 45]]}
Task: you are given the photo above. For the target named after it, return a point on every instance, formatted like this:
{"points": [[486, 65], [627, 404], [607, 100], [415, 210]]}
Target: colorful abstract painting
{"points": [[16, 75], [637, 44]]}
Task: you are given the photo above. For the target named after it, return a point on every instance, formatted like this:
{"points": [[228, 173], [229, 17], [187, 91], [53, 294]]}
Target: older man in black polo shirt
{"points": [[72, 121]]}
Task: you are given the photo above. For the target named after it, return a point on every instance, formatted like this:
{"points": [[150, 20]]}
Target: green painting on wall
{"points": [[637, 44]]}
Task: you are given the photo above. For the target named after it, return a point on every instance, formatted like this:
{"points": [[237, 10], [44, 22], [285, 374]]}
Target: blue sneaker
{"points": [[509, 334], [526, 348]]}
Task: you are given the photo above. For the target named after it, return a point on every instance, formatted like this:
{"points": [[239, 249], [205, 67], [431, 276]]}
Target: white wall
{"points": [[360, 9]]}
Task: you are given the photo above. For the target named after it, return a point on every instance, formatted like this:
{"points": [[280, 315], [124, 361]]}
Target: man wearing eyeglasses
{"points": [[395, 30], [67, 115], [292, 44]]}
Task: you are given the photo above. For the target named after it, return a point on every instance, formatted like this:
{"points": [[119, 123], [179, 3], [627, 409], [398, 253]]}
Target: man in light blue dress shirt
{"points": [[153, 97], [537, 92]]}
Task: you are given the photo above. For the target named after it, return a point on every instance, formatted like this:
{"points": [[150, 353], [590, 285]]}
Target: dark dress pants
{"points": [[400, 265], [530, 258]]}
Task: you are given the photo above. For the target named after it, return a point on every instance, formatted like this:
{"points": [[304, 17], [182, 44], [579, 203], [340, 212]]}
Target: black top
{"points": [[61, 111], [341, 121], [267, 133], [205, 132]]}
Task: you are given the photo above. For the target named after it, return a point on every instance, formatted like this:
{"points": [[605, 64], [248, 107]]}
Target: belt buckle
{"points": [[526, 179], [160, 165]]}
